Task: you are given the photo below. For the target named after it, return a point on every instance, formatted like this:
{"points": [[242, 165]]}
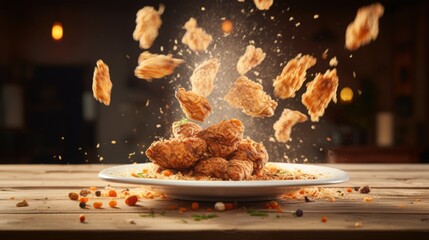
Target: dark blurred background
{"points": [[48, 114]]}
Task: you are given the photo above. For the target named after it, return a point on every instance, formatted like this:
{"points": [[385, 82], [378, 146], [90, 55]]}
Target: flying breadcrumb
{"points": [[155, 65], [203, 77], [364, 28], [293, 76], [320, 92], [287, 120], [148, 21], [101, 83], [250, 97], [195, 107], [251, 58], [195, 37], [333, 62], [263, 4]]}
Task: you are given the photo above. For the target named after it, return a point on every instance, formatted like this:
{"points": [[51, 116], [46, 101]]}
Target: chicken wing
{"points": [[364, 28], [319, 93], [148, 21], [251, 58], [177, 154], [101, 83], [195, 37], [223, 138], [239, 169], [155, 65], [184, 129], [220, 168], [203, 77], [292, 76], [194, 106], [253, 152], [287, 120], [250, 97]]}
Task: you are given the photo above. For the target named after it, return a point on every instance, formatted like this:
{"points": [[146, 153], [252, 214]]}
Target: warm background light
{"points": [[346, 94], [57, 31]]}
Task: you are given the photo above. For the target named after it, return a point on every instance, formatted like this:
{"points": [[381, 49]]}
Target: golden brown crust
{"points": [[293, 76], [287, 120], [251, 151], [320, 92], [194, 106], [251, 58], [250, 97], [195, 37], [155, 65], [148, 21], [213, 167], [223, 138], [364, 28], [203, 77], [179, 154], [184, 129], [239, 169], [101, 83]]}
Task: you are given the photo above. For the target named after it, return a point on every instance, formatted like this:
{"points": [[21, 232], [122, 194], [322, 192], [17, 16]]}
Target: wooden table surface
{"points": [[399, 209]]}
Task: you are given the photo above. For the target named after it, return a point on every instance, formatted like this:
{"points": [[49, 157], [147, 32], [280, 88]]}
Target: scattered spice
{"points": [[82, 218], [367, 199], [256, 213], [83, 199], [195, 206], [349, 190], [112, 193], [93, 188], [182, 210], [23, 203], [151, 214], [356, 188], [113, 203], [324, 219], [98, 193], [73, 196], [83, 192], [229, 206], [131, 221], [365, 189], [331, 199], [358, 224], [219, 206], [203, 216], [298, 213], [82, 205], [131, 200], [167, 172], [307, 199], [97, 204]]}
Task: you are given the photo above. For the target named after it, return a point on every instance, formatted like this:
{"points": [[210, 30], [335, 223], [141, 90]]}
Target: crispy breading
{"points": [[364, 28], [223, 138], [195, 37], [287, 120], [101, 83], [252, 151], [184, 129], [239, 169], [319, 93], [177, 154], [250, 97], [203, 77], [263, 4], [293, 76], [251, 58], [220, 168], [155, 65], [195, 107], [148, 22]]}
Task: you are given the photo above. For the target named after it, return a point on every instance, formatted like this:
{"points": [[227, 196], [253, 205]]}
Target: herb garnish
{"points": [[203, 217], [256, 213]]}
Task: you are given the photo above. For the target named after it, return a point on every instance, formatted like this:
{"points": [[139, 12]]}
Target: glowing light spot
{"points": [[346, 94], [227, 26], [57, 31]]}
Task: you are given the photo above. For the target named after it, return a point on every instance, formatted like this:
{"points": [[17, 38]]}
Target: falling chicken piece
{"points": [[287, 120], [101, 84], [364, 28], [251, 151], [251, 58], [223, 138], [195, 107], [293, 76], [333, 62], [177, 154], [155, 65], [203, 77], [184, 129], [250, 97], [263, 4], [195, 37], [319, 93], [148, 21]]}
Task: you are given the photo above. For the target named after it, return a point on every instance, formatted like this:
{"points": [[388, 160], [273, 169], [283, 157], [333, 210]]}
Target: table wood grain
{"points": [[399, 208]]}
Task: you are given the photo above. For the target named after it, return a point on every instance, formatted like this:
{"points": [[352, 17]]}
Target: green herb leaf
{"points": [[256, 213], [183, 220], [203, 217], [151, 214]]}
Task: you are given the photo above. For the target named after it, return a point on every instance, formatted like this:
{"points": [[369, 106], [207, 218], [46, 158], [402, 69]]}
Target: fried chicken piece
{"points": [[203, 77], [213, 167], [250, 97], [148, 21], [287, 120], [223, 138], [177, 154], [184, 129], [319, 93], [252, 151], [364, 28], [293, 76], [251, 58], [101, 83], [195, 37], [194, 106], [155, 65], [220, 168], [263, 4]]}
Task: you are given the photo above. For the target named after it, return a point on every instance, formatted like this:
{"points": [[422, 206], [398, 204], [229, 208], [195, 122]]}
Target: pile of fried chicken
{"points": [[219, 151]]}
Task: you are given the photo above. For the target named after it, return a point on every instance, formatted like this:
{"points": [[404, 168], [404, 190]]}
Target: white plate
{"points": [[226, 190]]}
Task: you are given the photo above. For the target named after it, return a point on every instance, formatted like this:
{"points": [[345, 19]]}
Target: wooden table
{"points": [[399, 209]]}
